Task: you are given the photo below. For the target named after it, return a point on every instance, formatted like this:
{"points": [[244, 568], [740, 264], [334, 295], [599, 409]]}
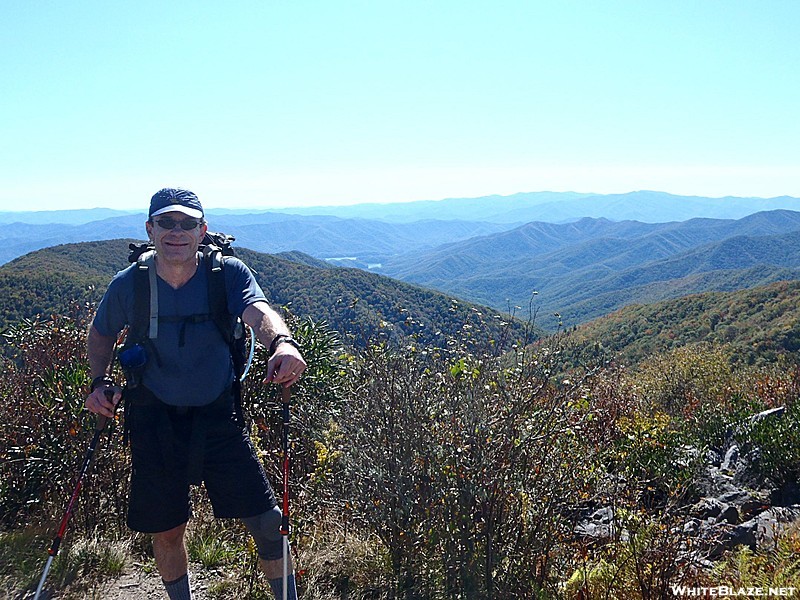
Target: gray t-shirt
{"points": [[192, 366]]}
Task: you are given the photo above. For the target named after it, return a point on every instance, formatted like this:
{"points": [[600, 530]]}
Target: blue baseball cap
{"points": [[177, 200]]}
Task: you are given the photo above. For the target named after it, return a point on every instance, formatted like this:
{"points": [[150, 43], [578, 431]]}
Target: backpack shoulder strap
{"points": [[214, 255], [145, 297], [229, 326], [217, 291]]}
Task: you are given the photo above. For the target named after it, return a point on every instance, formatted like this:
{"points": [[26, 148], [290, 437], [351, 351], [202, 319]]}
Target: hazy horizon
{"points": [[232, 207]]}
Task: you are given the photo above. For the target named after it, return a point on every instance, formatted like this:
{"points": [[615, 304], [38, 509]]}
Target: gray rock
{"points": [[598, 525], [691, 527], [707, 508], [730, 515], [731, 460], [772, 523], [726, 539], [737, 497]]}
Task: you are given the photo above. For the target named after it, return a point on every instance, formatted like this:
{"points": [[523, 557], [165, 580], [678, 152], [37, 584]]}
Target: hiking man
{"points": [[182, 410]]}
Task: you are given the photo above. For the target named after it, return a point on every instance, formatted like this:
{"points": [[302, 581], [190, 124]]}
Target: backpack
{"points": [[215, 247]]}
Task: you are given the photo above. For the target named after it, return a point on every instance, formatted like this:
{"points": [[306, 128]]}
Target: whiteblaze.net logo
{"points": [[725, 591]]}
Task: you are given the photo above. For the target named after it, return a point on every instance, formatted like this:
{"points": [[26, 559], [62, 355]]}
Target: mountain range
{"points": [[561, 207], [354, 241], [588, 268], [624, 248]]}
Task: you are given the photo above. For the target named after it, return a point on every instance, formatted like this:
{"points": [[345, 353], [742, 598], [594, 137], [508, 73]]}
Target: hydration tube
{"points": [[252, 352]]}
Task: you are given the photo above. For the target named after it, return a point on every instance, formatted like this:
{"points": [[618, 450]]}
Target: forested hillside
{"points": [[760, 324], [72, 277]]}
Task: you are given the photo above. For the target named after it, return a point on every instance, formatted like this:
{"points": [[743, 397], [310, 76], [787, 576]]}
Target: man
{"points": [[181, 411]]}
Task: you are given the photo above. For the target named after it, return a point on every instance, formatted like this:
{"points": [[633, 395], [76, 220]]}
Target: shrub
{"points": [[47, 431], [773, 444], [651, 456], [463, 465]]}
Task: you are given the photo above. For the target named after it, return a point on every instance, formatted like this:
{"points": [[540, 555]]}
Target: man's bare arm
{"points": [[265, 321], [100, 349], [287, 364]]}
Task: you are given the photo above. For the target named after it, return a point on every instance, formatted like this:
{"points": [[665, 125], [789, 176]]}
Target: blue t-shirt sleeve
{"points": [[242, 287], [115, 309]]}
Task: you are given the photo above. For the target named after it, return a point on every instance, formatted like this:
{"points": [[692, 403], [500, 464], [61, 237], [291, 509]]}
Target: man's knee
{"points": [[170, 538], [266, 531]]}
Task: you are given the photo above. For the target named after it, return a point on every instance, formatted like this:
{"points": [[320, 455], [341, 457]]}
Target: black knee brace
{"points": [[266, 531]]}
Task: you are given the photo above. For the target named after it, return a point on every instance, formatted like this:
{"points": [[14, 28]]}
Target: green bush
{"points": [[47, 431], [775, 446], [651, 455]]}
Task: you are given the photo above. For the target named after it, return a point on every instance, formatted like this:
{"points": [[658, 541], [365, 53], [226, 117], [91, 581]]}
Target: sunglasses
{"points": [[186, 224]]}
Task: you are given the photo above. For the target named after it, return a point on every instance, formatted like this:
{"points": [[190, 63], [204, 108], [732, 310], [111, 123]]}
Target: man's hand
{"points": [[98, 403], [285, 366]]}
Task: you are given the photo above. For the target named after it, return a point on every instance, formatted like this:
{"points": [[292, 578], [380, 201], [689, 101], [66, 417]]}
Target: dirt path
{"points": [[136, 584], [141, 587]]}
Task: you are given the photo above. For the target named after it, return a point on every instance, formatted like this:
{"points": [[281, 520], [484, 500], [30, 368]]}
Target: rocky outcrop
{"points": [[737, 506]]}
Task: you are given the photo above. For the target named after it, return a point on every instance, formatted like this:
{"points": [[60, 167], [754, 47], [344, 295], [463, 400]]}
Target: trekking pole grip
{"points": [[102, 420]]}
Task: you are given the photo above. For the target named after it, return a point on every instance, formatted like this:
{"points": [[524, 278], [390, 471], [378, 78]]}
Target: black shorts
{"points": [[173, 448]]}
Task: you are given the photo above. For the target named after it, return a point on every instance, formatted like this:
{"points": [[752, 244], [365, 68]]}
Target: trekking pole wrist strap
{"points": [[101, 380]]}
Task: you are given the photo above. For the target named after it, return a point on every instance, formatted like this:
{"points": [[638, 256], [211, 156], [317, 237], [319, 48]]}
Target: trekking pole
{"points": [[286, 397], [100, 425]]}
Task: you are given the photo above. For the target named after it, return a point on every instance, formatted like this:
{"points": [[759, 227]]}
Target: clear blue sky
{"points": [[280, 103]]}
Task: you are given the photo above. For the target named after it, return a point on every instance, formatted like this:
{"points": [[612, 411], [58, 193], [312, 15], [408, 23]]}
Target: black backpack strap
{"points": [[229, 326], [145, 298], [217, 291]]}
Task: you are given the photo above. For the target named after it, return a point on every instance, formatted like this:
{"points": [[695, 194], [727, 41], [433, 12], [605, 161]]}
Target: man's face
{"points": [[175, 245]]}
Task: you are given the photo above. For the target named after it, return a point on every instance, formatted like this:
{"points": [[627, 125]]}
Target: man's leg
{"points": [[237, 485], [273, 569], [265, 529], [169, 548]]}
